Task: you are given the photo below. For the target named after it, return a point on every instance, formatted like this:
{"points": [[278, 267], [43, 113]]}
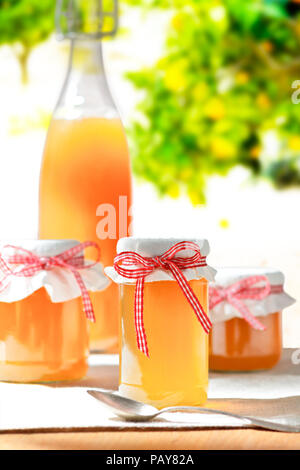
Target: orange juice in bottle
{"points": [[85, 185], [237, 342], [175, 372]]}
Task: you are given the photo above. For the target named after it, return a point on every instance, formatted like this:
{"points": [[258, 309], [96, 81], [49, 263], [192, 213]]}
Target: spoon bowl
{"points": [[123, 407]]}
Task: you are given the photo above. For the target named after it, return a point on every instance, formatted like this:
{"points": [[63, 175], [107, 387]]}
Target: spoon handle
{"points": [[257, 422]]}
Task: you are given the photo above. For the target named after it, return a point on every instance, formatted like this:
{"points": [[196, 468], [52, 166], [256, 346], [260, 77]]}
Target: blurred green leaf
{"points": [[25, 23]]}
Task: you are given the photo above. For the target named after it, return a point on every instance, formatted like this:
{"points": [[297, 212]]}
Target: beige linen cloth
{"points": [[267, 394]]}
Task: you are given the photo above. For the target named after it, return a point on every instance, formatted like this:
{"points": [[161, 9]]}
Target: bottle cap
{"points": [[86, 19]]}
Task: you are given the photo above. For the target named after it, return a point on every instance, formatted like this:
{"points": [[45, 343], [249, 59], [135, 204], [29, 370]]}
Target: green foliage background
{"points": [[24, 24], [223, 82]]}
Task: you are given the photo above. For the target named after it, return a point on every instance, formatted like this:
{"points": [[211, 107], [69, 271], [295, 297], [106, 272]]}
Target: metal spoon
{"points": [[132, 410]]}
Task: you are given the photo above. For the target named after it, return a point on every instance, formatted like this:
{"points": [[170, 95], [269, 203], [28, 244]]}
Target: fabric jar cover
{"points": [[274, 302], [59, 282], [151, 247]]}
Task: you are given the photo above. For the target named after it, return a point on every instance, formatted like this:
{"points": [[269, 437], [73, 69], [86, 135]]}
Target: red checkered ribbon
{"points": [[134, 266], [24, 263], [242, 290]]}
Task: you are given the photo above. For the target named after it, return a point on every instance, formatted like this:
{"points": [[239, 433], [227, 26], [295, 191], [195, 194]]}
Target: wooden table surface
{"points": [[227, 439]]}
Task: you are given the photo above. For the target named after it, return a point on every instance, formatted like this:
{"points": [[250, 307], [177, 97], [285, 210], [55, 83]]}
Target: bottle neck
{"points": [[85, 92], [86, 57]]}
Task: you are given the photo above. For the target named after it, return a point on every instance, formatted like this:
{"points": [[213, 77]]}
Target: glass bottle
{"points": [[85, 185]]}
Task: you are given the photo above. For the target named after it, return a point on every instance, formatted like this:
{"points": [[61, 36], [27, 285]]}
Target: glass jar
{"points": [[234, 344], [176, 371], [42, 341], [43, 329]]}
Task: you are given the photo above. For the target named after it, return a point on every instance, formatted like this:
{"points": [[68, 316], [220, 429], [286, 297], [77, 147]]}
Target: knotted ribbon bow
{"points": [[242, 290], [134, 266], [27, 264]]}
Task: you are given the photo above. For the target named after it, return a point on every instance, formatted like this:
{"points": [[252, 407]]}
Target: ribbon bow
{"points": [[27, 264], [134, 266], [242, 290]]}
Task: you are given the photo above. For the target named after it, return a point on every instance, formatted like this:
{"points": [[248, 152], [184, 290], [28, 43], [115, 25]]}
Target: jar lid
{"points": [[152, 247], [41, 247], [275, 301], [158, 246], [228, 275], [59, 282]]}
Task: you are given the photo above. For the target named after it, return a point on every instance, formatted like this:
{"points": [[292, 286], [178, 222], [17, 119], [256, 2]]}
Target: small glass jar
{"points": [[176, 371], [43, 328], [234, 344]]}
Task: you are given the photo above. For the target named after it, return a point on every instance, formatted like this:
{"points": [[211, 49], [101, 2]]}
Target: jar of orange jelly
{"points": [[246, 308], [164, 324], [43, 326]]}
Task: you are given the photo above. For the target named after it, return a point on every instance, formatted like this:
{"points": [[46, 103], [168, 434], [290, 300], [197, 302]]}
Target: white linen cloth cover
{"points": [[271, 394], [276, 302], [59, 283], [150, 247]]}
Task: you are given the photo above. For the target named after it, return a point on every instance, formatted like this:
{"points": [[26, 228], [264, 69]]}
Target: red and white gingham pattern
{"points": [[242, 290], [25, 263], [134, 266]]}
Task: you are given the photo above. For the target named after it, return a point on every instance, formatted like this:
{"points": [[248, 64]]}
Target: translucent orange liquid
{"points": [[86, 163], [236, 346], [42, 341], [177, 371]]}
